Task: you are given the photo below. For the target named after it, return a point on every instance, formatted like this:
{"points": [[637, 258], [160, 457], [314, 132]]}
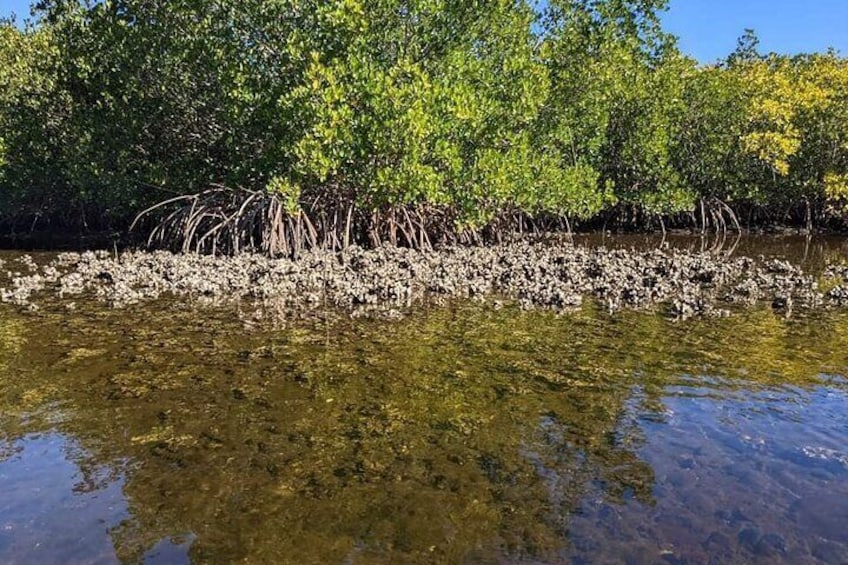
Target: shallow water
{"points": [[168, 433]]}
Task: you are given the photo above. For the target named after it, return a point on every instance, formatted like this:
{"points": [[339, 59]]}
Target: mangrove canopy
{"points": [[283, 124]]}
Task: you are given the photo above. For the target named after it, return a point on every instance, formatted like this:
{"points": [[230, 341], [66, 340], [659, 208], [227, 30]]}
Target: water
{"points": [[167, 433]]}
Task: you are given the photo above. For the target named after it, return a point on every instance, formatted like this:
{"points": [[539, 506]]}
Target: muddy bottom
{"points": [[167, 432]]}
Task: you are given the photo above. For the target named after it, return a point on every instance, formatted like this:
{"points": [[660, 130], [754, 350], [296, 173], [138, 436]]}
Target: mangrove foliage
{"points": [[285, 124]]}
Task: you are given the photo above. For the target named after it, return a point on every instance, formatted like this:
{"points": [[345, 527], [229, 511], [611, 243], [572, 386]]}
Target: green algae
{"points": [[433, 438]]}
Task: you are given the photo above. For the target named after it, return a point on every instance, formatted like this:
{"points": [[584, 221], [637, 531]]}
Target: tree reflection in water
{"points": [[459, 433]]}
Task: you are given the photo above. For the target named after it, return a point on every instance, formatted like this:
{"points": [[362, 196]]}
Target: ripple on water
{"points": [[167, 432], [736, 480]]}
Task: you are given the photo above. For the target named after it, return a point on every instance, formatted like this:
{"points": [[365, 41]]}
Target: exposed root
{"points": [[717, 213], [224, 220]]}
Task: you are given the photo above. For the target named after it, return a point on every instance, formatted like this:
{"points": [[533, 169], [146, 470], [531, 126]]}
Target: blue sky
{"points": [[20, 7], [708, 29]]}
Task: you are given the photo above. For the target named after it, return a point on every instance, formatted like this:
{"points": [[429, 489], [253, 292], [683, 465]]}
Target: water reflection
{"points": [[760, 477], [458, 434], [52, 510], [808, 252]]}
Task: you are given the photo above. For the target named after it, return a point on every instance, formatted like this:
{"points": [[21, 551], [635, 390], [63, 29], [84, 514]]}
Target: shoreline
{"points": [[108, 240], [390, 280]]}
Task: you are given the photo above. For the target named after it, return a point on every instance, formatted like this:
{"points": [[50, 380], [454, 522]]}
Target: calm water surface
{"points": [[173, 434]]}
